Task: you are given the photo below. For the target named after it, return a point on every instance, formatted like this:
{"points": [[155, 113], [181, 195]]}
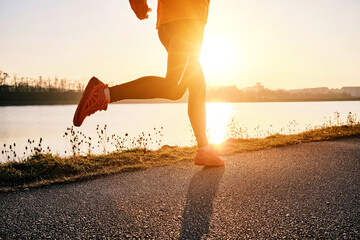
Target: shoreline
{"points": [[45, 169], [49, 103]]}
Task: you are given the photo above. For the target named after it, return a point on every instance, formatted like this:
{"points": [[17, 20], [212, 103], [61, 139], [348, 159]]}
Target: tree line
{"points": [[16, 90], [14, 83], [234, 94]]}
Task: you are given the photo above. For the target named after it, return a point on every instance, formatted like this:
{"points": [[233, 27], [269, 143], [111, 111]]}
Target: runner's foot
{"points": [[92, 100], [208, 157]]}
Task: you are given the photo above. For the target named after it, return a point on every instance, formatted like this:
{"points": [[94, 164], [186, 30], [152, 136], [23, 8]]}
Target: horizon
{"points": [[214, 86], [208, 87], [286, 45]]}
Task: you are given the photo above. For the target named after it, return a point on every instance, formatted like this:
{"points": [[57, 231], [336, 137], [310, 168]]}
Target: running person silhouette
{"points": [[180, 26]]}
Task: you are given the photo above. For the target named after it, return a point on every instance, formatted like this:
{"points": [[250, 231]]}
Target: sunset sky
{"points": [[281, 43]]}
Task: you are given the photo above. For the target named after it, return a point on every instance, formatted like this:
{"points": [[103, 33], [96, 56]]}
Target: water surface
{"points": [[20, 123]]}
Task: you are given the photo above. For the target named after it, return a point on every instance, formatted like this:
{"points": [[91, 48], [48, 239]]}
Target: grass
{"points": [[42, 169]]}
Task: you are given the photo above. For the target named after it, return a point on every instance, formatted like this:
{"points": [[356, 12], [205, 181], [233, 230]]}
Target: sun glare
{"points": [[218, 115], [218, 56]]}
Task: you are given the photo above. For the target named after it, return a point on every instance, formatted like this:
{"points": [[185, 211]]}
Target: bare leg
{"points": [[147, 88], [196, 105], [183, 72]]}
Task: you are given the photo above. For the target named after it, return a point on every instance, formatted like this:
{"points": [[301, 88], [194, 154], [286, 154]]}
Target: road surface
{"points": [[309, 190]]}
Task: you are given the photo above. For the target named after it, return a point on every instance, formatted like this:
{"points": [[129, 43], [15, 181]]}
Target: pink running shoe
{"points": [[92, 100], [208, 157]]}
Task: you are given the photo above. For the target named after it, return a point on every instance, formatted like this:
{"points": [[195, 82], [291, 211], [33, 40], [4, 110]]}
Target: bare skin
{"points": [[182, 40]]}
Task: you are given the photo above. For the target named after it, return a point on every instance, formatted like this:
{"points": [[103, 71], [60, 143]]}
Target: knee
{"points": [[176, 93], [174, 90], [176, 96]]}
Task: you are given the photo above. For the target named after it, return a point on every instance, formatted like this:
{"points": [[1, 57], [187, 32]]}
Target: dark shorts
{"points": [[186, 34], [182, 40]]}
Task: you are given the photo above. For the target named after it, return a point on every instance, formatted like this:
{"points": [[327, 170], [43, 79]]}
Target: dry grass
{"points": [[44, 169]]}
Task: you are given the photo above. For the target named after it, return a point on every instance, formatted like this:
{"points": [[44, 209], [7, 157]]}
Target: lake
{"points": [[20, 123]]}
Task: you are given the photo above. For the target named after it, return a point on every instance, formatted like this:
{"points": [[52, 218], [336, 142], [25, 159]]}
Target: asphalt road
{"points": [[303, 191]]}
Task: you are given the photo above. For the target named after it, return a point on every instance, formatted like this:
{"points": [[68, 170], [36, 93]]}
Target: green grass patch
{"points": [[45, 169]]}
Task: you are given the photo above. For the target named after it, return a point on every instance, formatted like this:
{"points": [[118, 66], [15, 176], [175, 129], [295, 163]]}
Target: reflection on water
{"points": [[20, 123], [218, 116]]}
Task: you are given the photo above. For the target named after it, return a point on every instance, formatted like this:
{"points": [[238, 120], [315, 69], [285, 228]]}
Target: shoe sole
{"points": [[92, 82], [209, 165]]}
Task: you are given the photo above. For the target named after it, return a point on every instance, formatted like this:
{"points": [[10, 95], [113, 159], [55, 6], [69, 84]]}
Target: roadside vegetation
{"points": [[39, 167]]}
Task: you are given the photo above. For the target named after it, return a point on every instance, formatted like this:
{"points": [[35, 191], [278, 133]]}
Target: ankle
{"points": [[205, 148], [107, 94]]}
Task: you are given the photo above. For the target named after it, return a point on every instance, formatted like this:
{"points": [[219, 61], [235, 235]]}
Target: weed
{"points": [[79, 144]]}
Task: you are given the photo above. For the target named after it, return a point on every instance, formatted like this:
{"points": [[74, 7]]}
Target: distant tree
{"points": [[3, 77], [15, 81], [39, 83], [63, 84], [49, 84], [56, 82]]}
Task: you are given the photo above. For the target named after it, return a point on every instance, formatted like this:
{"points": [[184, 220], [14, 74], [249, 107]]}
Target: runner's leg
{"points": [[196, 104], [183, 72], [158, 87]]}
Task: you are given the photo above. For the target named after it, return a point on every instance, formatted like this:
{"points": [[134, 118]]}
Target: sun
{"points": [[218, 56]]}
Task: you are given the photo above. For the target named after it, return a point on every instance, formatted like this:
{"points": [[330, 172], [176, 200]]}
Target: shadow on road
{"points": [[199, 202]]}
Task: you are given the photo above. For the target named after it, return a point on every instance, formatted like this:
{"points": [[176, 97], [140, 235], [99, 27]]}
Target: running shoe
{"points": [[92, 100], [208, 157]]}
